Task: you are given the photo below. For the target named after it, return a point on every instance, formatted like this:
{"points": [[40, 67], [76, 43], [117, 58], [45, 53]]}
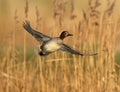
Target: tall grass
{"points": [[22, 71]]}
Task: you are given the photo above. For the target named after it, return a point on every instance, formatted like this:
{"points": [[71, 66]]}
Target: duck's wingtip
{"points": [[89, 54], [26, 22], [96, 53]]}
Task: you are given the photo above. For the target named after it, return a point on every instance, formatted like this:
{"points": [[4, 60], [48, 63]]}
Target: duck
{"points": [[52, 44]]}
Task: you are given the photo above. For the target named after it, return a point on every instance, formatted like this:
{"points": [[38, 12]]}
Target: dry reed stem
{"points": [[63, 72], [24, 62], [38, 18]]}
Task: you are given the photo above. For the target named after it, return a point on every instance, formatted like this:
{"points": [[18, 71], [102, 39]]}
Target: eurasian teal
{"points": [[52, 44]]}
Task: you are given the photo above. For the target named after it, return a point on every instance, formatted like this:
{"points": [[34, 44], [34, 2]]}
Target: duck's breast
{"points": [[52, 45]]}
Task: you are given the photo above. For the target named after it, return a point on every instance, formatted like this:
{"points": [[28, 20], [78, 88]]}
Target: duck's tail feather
{"points": [[36, 50]]}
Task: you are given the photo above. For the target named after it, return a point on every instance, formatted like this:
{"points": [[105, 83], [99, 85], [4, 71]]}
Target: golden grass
{"points": [[22, 71]]}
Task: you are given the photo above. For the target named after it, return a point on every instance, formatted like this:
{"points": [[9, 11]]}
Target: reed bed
{"points": [[23, 71]]}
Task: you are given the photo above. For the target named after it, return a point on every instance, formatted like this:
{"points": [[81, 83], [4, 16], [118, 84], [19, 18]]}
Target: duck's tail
{"points": [[36, 50]]}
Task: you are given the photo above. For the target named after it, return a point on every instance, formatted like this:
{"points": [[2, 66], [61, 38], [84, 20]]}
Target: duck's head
{"points": [[65, 34]]}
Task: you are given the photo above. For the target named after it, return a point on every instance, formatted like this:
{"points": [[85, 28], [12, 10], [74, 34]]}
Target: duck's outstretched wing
{"points": [[66, 48], [39, 36]]}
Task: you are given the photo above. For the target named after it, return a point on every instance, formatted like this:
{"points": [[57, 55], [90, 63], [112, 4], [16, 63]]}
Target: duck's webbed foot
{"points": [[43, 54]]}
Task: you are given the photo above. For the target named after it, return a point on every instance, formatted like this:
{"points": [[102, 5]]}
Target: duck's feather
{"points": [[66, 48], [39, 36]]}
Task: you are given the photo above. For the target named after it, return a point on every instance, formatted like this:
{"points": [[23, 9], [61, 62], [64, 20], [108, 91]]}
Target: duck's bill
{"points": [[70, 34]]}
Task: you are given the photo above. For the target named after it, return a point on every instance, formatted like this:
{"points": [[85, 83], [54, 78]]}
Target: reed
{"points": [[95, 31]]}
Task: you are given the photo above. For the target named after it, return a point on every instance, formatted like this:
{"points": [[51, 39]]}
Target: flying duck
{"points": [[52, 44]]}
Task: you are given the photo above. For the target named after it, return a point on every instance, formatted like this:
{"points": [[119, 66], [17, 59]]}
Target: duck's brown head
{"points": [[65, 34]]}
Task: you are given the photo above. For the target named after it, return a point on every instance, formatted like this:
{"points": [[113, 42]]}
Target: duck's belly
{"points": [[51, 46]]}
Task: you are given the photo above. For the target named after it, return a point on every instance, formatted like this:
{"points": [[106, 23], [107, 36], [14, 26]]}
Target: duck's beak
{"points": [[70, 34]]}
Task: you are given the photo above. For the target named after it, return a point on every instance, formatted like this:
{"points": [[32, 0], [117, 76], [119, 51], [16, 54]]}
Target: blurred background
{"points": [[96, 28], [12, 16], [9, 8]]}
